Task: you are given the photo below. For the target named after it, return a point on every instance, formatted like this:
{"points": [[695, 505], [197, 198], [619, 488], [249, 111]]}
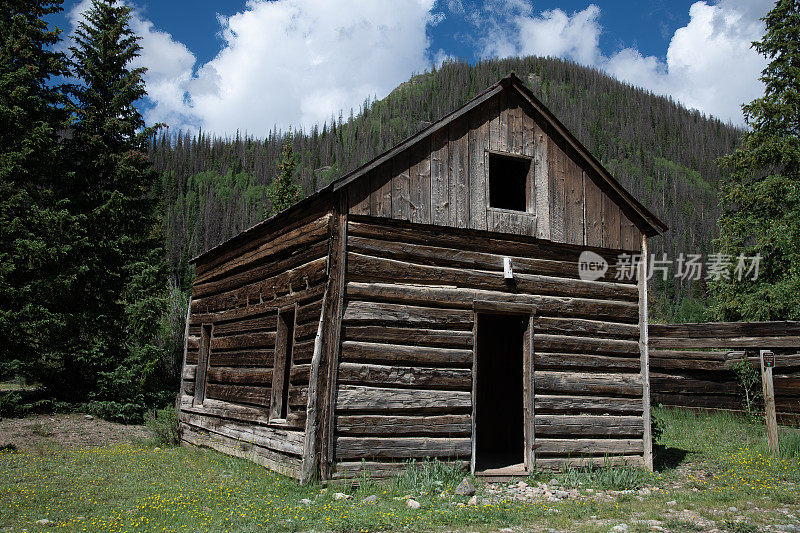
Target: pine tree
{"points": [[123, 288], [36, 230], [283, 192], [761, 198]]}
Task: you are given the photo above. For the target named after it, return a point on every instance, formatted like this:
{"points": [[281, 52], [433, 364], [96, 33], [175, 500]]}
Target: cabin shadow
{"points": [[667, 458]]}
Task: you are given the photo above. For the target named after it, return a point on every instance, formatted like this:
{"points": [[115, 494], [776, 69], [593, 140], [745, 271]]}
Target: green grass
{"points": [[709, 463]]}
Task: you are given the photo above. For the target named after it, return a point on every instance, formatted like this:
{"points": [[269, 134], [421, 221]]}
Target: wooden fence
{"points": [[692, 365]]}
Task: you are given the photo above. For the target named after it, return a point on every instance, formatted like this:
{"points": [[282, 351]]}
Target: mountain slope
{"points": [[663, 153]]}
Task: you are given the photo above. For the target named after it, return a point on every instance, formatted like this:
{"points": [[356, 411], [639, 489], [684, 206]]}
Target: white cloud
{"points": [[285, 62], [709, 64]]}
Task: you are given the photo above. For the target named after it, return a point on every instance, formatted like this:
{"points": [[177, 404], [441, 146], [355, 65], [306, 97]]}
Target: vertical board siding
{"points": [[241, 300], [443, 180], [405, 378]]}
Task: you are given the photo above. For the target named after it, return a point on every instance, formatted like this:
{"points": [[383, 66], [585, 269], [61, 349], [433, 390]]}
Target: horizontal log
{"points": [[500, 244], [279, 440], [563, 343], [236, 260], [732, 343], [240, 376], [432, 425], [357, 312], [588, 446], [296, 279], [239, 394], [187, 387], [689, 355], [302, 352], [563, 361], [266, 307], [263, 339], [588, 426], [582, 327], [409, 336], [462, 258], [405, 376], [547, 403], [360, 398], [299, 374], [672, 397], [558, 463], [380, 469], [264, 322], [368, 268], [396, 353], [401, 447], [282, 463], [727, 329], [658, 363], [464, 298], [189, 372], [306, 253], [249, 357], [687, 384], [243, 413], [588, 383]]}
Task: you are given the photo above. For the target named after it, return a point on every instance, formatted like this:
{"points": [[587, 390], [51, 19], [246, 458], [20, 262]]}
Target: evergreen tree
{"points": [[761, 197], [36, 230], [123, 287], [283, 192]]}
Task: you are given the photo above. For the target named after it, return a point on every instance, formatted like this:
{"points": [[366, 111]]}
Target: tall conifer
{"points": [[36, 230], [761, 198], [123, 289]]}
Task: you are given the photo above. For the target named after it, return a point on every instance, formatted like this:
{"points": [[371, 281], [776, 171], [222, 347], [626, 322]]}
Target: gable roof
{"points": [[646, 221]]}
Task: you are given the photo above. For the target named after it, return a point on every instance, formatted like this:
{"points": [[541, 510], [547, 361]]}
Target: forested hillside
{"points": [[663, 153]]}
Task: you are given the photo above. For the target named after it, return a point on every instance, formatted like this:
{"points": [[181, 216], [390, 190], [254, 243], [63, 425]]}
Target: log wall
{"points": [[238, 292], [405, 368], [692, 365], [443, 180]]}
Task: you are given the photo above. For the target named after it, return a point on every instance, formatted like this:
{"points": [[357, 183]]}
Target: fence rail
{"points": [[693, 365]]}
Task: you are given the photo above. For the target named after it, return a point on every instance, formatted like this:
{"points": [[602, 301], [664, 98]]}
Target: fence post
{"points": [[769, 399]]}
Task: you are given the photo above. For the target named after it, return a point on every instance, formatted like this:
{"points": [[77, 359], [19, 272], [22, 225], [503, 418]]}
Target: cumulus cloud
{"points": [[284, 63], [709, 64]]}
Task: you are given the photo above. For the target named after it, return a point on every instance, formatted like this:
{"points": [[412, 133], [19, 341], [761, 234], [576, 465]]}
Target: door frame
{"points": [[508, 308]]}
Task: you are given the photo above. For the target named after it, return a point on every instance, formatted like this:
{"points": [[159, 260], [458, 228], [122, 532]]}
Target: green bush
{"points": [[163, 424], [124, 413]]}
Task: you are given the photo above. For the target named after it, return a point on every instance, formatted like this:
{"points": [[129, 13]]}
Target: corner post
{"points": [[645, 358]]}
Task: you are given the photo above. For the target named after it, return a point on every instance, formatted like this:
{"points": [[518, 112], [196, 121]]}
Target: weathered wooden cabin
{"points": [[429, 304]]}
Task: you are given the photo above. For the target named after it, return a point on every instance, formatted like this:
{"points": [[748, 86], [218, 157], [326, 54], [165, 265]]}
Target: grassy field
{"points": [[713, 474]]}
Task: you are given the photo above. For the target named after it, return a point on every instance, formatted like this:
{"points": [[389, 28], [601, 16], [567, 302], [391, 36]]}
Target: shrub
{"points": [[163, 424]]}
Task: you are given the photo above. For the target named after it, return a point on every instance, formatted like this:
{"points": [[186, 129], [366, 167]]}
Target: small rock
{"points": [[506, 530], [672, 503], [590, 491], [412, 504], [473, 501], [305, 501], [620, 528], [87, 417], [561, 494], [733, 509], [44, 522], [340, 496], [370, 499], [553, 481], [465, 488], [522, 485], [156, 449]]}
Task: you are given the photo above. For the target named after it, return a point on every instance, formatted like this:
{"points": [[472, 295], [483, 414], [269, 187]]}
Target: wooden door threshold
{"points": [[503, 473]]}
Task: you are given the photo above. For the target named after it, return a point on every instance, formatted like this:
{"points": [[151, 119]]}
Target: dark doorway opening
{"points": [[499, 412]]}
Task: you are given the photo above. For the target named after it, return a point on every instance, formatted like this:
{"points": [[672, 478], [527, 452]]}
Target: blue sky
{"points": [[249, 65]]}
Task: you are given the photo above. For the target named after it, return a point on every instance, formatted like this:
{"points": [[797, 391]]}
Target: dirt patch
{"points": [[66, 430]]}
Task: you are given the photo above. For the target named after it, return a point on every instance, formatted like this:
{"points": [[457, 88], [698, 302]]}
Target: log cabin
{"points": [[429, 305]]}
